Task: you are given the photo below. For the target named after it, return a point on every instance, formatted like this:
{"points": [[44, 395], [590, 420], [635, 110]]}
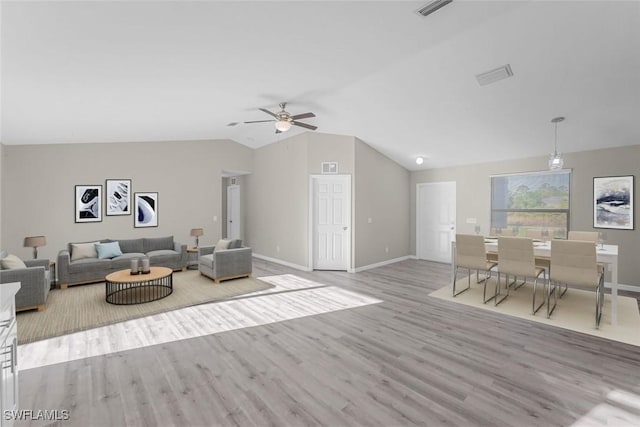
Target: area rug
{"points": [[83, 307], [575, 310]]}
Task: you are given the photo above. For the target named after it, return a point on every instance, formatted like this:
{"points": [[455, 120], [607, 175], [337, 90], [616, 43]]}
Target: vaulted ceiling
{"points": [[75, 72]]}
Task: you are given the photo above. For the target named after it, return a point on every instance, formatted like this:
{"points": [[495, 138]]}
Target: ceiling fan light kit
{"points": [[283, 125]]}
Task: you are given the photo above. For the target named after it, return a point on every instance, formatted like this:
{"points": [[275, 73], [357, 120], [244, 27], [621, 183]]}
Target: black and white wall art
{"points": [[118, 197], [146, 210], [88, 203], [613, 202]]}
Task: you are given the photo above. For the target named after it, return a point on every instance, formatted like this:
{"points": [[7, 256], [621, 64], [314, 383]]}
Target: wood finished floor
{"points": [[410, 360]]}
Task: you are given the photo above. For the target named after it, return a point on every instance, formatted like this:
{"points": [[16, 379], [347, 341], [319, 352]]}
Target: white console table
{"points": [[8, 352]]}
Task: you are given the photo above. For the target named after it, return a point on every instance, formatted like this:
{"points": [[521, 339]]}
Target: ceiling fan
{"points": [[284, 120]]}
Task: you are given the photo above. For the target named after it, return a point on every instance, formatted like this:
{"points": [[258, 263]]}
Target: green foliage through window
{"points": [[531, 201]]}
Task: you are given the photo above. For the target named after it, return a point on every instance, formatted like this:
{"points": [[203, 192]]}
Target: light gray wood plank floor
{"points": [[410, 360]]}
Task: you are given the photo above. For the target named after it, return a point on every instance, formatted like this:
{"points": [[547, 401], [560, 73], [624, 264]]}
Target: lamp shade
{"points": [[197, 232], [35, 241], [283, 125]]}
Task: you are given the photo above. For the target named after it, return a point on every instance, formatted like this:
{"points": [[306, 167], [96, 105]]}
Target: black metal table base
{"points": [[138, 292]]}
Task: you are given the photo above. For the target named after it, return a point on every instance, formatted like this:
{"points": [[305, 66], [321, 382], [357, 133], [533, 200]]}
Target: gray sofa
{"points": [[161, 251], [35, 282], [223, 264]]}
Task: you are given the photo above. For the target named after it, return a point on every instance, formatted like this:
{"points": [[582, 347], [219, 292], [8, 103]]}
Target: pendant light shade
{"points": [[555, 159]]}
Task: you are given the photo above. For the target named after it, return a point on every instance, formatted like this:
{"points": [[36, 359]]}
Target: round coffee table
{"points": [[122, 287]]}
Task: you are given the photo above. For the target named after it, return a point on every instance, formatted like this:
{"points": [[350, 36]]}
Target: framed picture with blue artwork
{"points": [[613, 202], [146, 210]]}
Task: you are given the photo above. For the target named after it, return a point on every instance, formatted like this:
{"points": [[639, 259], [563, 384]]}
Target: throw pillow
{"points": [[83, 250], [108, 250], [235, 244], [222, 245], [11, 262]]}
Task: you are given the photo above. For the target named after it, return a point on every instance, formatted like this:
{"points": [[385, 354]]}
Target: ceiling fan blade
{"points": [[259, 121], [304, 125], [268, 112], [302, 116]]}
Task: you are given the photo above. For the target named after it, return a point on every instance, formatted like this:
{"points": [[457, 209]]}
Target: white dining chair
{"points": [[471, 254], [574, 263], [516, 258]]}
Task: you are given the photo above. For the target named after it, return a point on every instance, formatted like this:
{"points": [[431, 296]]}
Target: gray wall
{"points": [[278, 205], [278, 214], [38, 189], [473, 195], [382, 194]]}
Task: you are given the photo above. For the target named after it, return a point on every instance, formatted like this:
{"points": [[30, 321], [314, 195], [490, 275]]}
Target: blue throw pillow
{"points": [[108, 250]]}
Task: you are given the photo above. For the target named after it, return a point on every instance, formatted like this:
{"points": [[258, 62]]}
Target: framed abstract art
{"points": [[88, 203], [613, 202], [118, 197], [146, 210]]}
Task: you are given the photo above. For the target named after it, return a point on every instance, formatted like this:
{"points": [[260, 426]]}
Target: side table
{"points": [[192, 261], [53, 275]]}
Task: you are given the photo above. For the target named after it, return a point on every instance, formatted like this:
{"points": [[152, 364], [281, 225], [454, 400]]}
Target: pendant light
{"points": [[555, 159]]}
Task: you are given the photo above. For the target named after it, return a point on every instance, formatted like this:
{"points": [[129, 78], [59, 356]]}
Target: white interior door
{"points": [[435, 220], [233, 212], [331, 216]]}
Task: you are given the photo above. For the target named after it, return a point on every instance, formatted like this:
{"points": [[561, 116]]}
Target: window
{"points": [[531, 203]]}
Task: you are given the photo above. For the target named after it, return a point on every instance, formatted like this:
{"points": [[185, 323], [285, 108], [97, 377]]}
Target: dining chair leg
{"points": [[555, 297], [455, 280], [497, 290], [484, 291], [517, 285], [533, 305]]}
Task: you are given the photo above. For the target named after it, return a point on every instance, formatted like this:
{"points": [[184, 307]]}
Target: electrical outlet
{"points": [[215, 218], [277, 248], [369, 220], [386, 249]]}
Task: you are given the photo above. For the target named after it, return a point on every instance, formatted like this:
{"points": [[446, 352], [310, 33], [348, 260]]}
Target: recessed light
{"points": [[419, 160]]}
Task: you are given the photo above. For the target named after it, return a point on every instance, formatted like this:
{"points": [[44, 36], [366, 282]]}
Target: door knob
{"points": [[345, 228]]}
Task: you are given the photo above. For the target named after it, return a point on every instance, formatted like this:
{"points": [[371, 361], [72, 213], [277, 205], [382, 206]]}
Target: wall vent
{"points": [[329, 167], [494, 75], [233, 124], [431, 7]]}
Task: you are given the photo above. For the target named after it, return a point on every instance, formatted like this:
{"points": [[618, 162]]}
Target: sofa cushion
{"points": [[90, 265], [222, 245], [158, 243], [131, 246], [108, 250], [83, 250], [235, 244], [12, 262], [123, 261]]}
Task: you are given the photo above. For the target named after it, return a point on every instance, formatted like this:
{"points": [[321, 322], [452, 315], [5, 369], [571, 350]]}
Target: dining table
{"points": [[606, 254]]}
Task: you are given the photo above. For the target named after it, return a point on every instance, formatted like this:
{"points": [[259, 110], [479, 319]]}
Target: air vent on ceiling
{"points": [[232, 124], [494, 75], [431, 7]]}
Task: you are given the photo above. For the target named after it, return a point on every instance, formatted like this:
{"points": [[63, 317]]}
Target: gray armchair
{"points": [[224, 264], [35, 283]]}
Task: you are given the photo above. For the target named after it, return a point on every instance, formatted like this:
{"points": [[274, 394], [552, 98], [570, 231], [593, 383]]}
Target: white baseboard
{"points": [[282, 262], [378, 264]]}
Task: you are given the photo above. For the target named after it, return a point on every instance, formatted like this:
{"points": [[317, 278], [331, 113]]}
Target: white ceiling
{"points": [[91, 71]]}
